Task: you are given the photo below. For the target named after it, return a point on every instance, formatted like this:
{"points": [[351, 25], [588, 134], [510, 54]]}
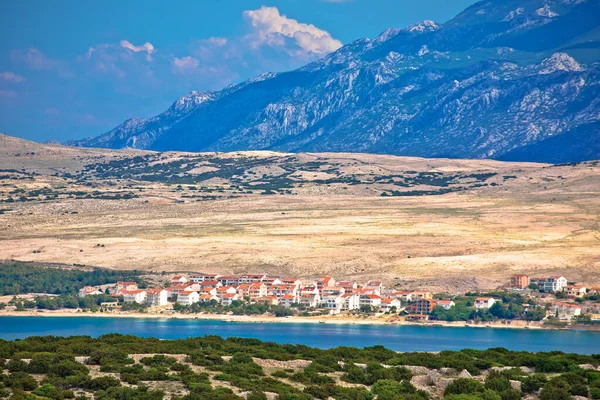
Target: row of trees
{"points": [[19, 278]]}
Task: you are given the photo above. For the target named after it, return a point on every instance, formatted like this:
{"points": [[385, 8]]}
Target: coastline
{"points": [[328, 319]]}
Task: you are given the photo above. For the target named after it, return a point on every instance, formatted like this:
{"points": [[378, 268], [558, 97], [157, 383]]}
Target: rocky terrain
{"points": [[445, 224], [512, 80]]}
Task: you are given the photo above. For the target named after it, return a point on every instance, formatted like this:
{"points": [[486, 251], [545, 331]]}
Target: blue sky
{"points": [[77, 68]]}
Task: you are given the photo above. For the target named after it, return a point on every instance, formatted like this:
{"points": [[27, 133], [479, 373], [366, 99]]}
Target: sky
{"points": [[77, 68]]}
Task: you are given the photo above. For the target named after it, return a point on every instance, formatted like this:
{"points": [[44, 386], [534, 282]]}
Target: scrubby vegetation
{"points": [[127, 367], [21, 278]]}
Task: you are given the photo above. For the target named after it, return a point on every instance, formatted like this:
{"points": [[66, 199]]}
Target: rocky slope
{"points": [[513, 80]]}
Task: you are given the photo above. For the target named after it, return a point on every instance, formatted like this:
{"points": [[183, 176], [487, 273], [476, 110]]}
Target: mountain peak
{"points": [[424, 26], [474, 87], [559, 62]]}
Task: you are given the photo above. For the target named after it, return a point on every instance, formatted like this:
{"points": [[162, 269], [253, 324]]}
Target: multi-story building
{"points": [[484, 302], [188, 297], [424, 306], [519, 281], [134, 296], [555, 283], [156, 297], [201, 277]]}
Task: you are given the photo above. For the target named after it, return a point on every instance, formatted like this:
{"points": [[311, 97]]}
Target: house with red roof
{"points": [[188, 297], [134, 296], [228, 298], [389, 304], [484, 302], [156, 297]]}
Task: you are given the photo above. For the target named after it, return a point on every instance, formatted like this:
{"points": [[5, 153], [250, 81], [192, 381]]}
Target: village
{"points": [[550, 298]]}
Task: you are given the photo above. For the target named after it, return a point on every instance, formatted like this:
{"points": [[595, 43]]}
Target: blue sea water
{"points": [[400, 338]]}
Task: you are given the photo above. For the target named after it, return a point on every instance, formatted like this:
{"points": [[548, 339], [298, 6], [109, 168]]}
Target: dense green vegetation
{"points": [[373, 371], [20, 278], [511, 307]]}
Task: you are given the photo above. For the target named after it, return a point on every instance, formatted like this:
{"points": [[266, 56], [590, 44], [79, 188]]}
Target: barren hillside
{"points": [[444, 224]]}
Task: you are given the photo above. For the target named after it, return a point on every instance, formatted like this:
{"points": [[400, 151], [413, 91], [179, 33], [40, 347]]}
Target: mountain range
{"points": [[512, 80]]}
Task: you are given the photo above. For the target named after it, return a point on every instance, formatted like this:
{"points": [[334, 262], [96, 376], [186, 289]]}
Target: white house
{"points": [[201, 277], [370, 300], [310, 299], [564, 311], [389, 304], [555, 283], [446, 304], [156, 297], [484, 302], [351, 301], [375, 285], [229, 298], [134, 296], [188, 297], [207, 298], [89, 291], [288, 299], [252, 278], [178, 279], [333, 300]]}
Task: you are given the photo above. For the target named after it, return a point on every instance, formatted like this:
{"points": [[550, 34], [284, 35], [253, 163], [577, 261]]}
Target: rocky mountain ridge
{"points": [[512, 80]]}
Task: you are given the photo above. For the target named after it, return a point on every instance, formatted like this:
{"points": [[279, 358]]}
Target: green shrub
{"points": [[464, 386]]}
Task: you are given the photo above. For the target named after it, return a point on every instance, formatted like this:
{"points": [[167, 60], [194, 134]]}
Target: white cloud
{"points": [[185, 63], [272, 28], [147, 47], [11, 77]]}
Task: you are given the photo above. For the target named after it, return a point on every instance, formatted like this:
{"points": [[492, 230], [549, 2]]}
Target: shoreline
{"points": [[341, 319]]}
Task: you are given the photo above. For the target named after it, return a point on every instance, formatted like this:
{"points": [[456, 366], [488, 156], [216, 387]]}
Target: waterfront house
{"points": [[389, 304], [201, 277], [121, 285], [351, 301], [310, 299], [332, 300], [446, 304], [519, 281], [173, 291], [288, 299], [564, 311], [156, 297], [267, 300], [89, 291], [424, 306], [134, 296], [555, 283], [372, 300], [229, 298], [281, 290], [207, 298], [222, 290], [484, 302], [257, 290], [188, 297]]}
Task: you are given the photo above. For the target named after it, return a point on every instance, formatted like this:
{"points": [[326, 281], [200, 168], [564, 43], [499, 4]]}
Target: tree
{"points": [[464, 386]]}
